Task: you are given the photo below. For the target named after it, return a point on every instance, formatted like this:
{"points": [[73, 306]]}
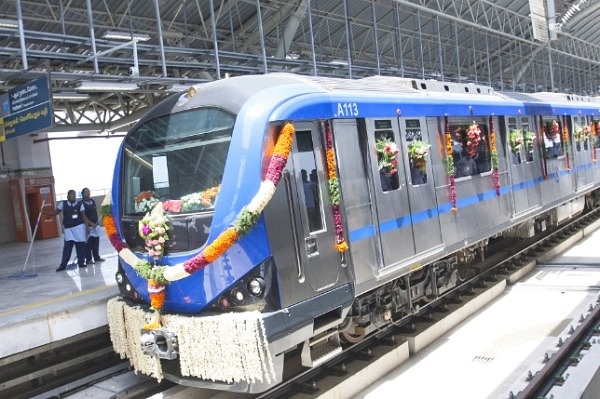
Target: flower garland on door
{"points": [[387, 155], [469, 137], [334, 191], [542, 151], [566, 141], [593, 140], [450, 165], [495, 176]]}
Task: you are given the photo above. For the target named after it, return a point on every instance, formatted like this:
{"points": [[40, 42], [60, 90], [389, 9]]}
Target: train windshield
{"points": [[176, 159]]}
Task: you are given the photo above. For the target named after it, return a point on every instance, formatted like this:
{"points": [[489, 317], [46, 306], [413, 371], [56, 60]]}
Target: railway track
{"points": [[69, 367]]}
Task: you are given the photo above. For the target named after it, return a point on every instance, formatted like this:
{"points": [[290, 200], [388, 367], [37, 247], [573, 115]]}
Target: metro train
{"points": [[268, 219]]}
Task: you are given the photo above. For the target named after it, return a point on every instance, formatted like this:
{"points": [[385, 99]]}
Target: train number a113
{"points": [[347, 109]]}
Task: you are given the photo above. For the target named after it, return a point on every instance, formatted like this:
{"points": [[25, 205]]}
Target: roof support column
{"points": [[160, 38], [399, 39], [290, 31], [550, 67], [262, 37], [312, 40], [440, 49], [374, 15], [215, 42], [347, 27], [92, 35], [22, 37]]}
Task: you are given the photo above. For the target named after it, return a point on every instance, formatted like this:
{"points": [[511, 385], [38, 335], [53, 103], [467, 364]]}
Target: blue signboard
{"points": [[27, 109]]}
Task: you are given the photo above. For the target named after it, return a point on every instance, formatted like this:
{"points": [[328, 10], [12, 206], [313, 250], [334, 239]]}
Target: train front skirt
{"points": [[203, 345]]}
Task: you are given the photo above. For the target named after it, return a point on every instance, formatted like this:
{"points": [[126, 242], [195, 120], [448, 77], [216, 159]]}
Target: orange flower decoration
{"points": [[109, 225], [284, 142], [157, 294], [220, 244], [331, 165]]}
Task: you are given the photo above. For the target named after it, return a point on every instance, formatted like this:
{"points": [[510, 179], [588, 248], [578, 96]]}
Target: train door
{"points": [[392, 208], [422, 202], [557, 159], [525, 166], [582, 152], [319, 262]]}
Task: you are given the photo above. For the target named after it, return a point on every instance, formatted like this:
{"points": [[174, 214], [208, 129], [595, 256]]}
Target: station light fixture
{"points": [[8, 23], [115, 35], [106, 86], [70, 96], [177, 87]]}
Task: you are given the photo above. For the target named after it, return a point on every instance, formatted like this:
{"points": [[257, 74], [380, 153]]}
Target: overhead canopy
{"points": [[177, 42]]}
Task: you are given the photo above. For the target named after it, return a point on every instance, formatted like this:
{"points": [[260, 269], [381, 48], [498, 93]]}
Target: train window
{"points": [[520, 140], [528, 139], [177, 159], [387, 159], [553, 143], [310, 180], [581, 133], [470, 148], [418, 151]]}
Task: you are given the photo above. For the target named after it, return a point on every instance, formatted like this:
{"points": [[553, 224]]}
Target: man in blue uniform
{"points": [[75, 228], [92, 247]]}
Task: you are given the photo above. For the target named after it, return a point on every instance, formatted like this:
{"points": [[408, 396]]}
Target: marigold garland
{"points": [[220, 244], [495, 176], [334, 191], [157, 294], [152, 273], [158, 276], [593, 140], [566, 141], [542, 147], [247, 217], [450, 165]]}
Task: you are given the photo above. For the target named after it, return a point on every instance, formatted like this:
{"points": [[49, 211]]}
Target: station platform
{"points": [[39, 306], [492, 353]]}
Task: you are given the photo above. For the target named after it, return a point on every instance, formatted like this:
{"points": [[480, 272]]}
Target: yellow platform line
{"points": [[55, 300]]}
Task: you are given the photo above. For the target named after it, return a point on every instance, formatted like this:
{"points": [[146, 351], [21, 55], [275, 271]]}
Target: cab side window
{"points": [[310, 180]]}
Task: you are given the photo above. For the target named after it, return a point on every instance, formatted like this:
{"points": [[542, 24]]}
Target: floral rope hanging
{"points": [[542, 151], [333, 184], [152, 273], [495, 176], [566, 141], [247, 217], [450, 165], [594, 134]]}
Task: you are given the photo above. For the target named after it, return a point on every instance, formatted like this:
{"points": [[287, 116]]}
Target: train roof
{"points": [[303, 96], [547, 103]]}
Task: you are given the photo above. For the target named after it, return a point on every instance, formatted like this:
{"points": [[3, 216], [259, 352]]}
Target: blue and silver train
{"points": [[260, 219]]}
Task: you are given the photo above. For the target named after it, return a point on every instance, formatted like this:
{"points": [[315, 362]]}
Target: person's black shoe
{"points": [[61, 268], [100, 260], [82, 265], [89, 262]]}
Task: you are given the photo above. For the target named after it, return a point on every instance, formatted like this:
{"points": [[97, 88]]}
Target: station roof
{"points": [[497, 43]]}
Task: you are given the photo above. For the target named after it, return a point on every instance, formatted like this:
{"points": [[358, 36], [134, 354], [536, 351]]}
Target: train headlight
{"points": [[119, 278], [237, 296], [256, 286]]}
